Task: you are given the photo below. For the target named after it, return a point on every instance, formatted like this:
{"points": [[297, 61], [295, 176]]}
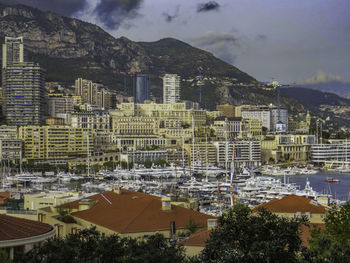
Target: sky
{"points": [[298, 41]]}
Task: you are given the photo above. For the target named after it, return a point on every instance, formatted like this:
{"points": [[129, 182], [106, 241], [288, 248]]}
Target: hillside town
{"points": [[82, 155]]}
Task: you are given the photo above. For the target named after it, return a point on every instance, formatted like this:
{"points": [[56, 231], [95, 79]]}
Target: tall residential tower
{"points": [[12, 51], [171, 88], [23, 93]]}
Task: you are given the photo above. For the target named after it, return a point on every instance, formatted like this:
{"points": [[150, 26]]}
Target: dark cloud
{"points": [[209, 6], [63, 7], [222, 45], [170, 17], [261, 37], [113, 12]]}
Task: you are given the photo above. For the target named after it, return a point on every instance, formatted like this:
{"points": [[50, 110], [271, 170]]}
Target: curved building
{"points": [[20, 235]]}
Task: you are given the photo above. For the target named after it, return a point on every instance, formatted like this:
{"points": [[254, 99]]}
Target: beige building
{"points": [[123, 212], [229, 111], [202, 154], [295, 206], [98, 121], [11, 150], [94, 94], [238, 128], [287, 147], [8, 132], [166, 112], [134, 126], [55, 142]]}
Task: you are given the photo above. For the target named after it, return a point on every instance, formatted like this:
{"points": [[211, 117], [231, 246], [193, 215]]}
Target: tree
{"points": [[90, 246], [333, 243], [243, 236], [4, 256]]}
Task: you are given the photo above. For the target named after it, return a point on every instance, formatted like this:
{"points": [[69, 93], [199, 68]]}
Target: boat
{"points": [[332, 180]]}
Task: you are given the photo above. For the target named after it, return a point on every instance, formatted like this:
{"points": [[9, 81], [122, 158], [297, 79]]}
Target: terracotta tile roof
{"points": [[5, 195], [198, 239], [305, 232], [17, 228], [292, 204], [133, 212]]}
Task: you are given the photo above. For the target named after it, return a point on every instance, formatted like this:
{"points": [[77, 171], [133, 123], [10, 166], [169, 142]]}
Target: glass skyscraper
{"points": [[141, 88]]}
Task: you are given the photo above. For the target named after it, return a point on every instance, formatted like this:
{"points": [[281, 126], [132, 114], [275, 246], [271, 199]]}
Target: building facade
{"points": [[12, 51], [23, 94], [55, 142], [247, 153], [171, 88], [287, 147], [337, 153], [60, 105], [141, 88]]}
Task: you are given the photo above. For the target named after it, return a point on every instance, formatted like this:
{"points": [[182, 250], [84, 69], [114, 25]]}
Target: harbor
{"points": [[214, 191]]}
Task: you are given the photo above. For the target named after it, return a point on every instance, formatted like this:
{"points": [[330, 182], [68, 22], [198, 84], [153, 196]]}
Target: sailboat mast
{"points": [[88, 153], [206, 157], [193, 142], [183, 150], [226, 149], [232, 163]]}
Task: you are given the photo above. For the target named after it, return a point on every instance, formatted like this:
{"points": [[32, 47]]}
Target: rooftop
{"points": [[18, 228], [292, 204], [133, 212], [198, 239]]}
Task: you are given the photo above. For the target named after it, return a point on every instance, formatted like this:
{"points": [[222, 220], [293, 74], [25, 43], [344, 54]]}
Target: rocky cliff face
{"points": [[69, 48], [56, 36]]}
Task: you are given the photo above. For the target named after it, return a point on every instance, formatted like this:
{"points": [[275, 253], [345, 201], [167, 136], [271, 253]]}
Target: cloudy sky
{"points": [[291, 41]]}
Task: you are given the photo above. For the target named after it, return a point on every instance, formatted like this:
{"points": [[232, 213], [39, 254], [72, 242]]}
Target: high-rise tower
{"points": [[171, 88], [141, 88], [12, 51], [23, 93]]}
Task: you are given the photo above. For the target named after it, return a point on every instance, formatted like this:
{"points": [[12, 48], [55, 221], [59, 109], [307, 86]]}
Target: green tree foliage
{"points": [[243, 236], [193, 226], [333, 243], [90, 246], [4, 256]]}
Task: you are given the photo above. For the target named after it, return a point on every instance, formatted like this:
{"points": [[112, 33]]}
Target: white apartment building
{"points": [[263, 115], [267, 114], [60, 105], [247, 153], [171, 88], [336, 153]]}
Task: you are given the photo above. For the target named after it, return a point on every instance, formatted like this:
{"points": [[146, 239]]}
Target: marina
{"points": [[215, 192]]}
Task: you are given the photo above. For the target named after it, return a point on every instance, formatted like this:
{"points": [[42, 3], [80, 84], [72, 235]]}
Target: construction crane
{"points": [[200, 76], [277, 86]]}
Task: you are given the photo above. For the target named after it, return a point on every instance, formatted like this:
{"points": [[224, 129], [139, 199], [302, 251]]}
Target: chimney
{"points": [[117, 190], [172, 229], [166, 204], [212, 223], [85, 204]]}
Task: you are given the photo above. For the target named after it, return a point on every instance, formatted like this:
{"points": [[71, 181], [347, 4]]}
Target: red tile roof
{"points": [[292, 204], [198, 239], [133, 212], [17, 228]]}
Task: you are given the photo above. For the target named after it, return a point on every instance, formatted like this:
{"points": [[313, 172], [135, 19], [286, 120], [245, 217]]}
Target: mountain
{"points": [[337, 87], [69, 48]]}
